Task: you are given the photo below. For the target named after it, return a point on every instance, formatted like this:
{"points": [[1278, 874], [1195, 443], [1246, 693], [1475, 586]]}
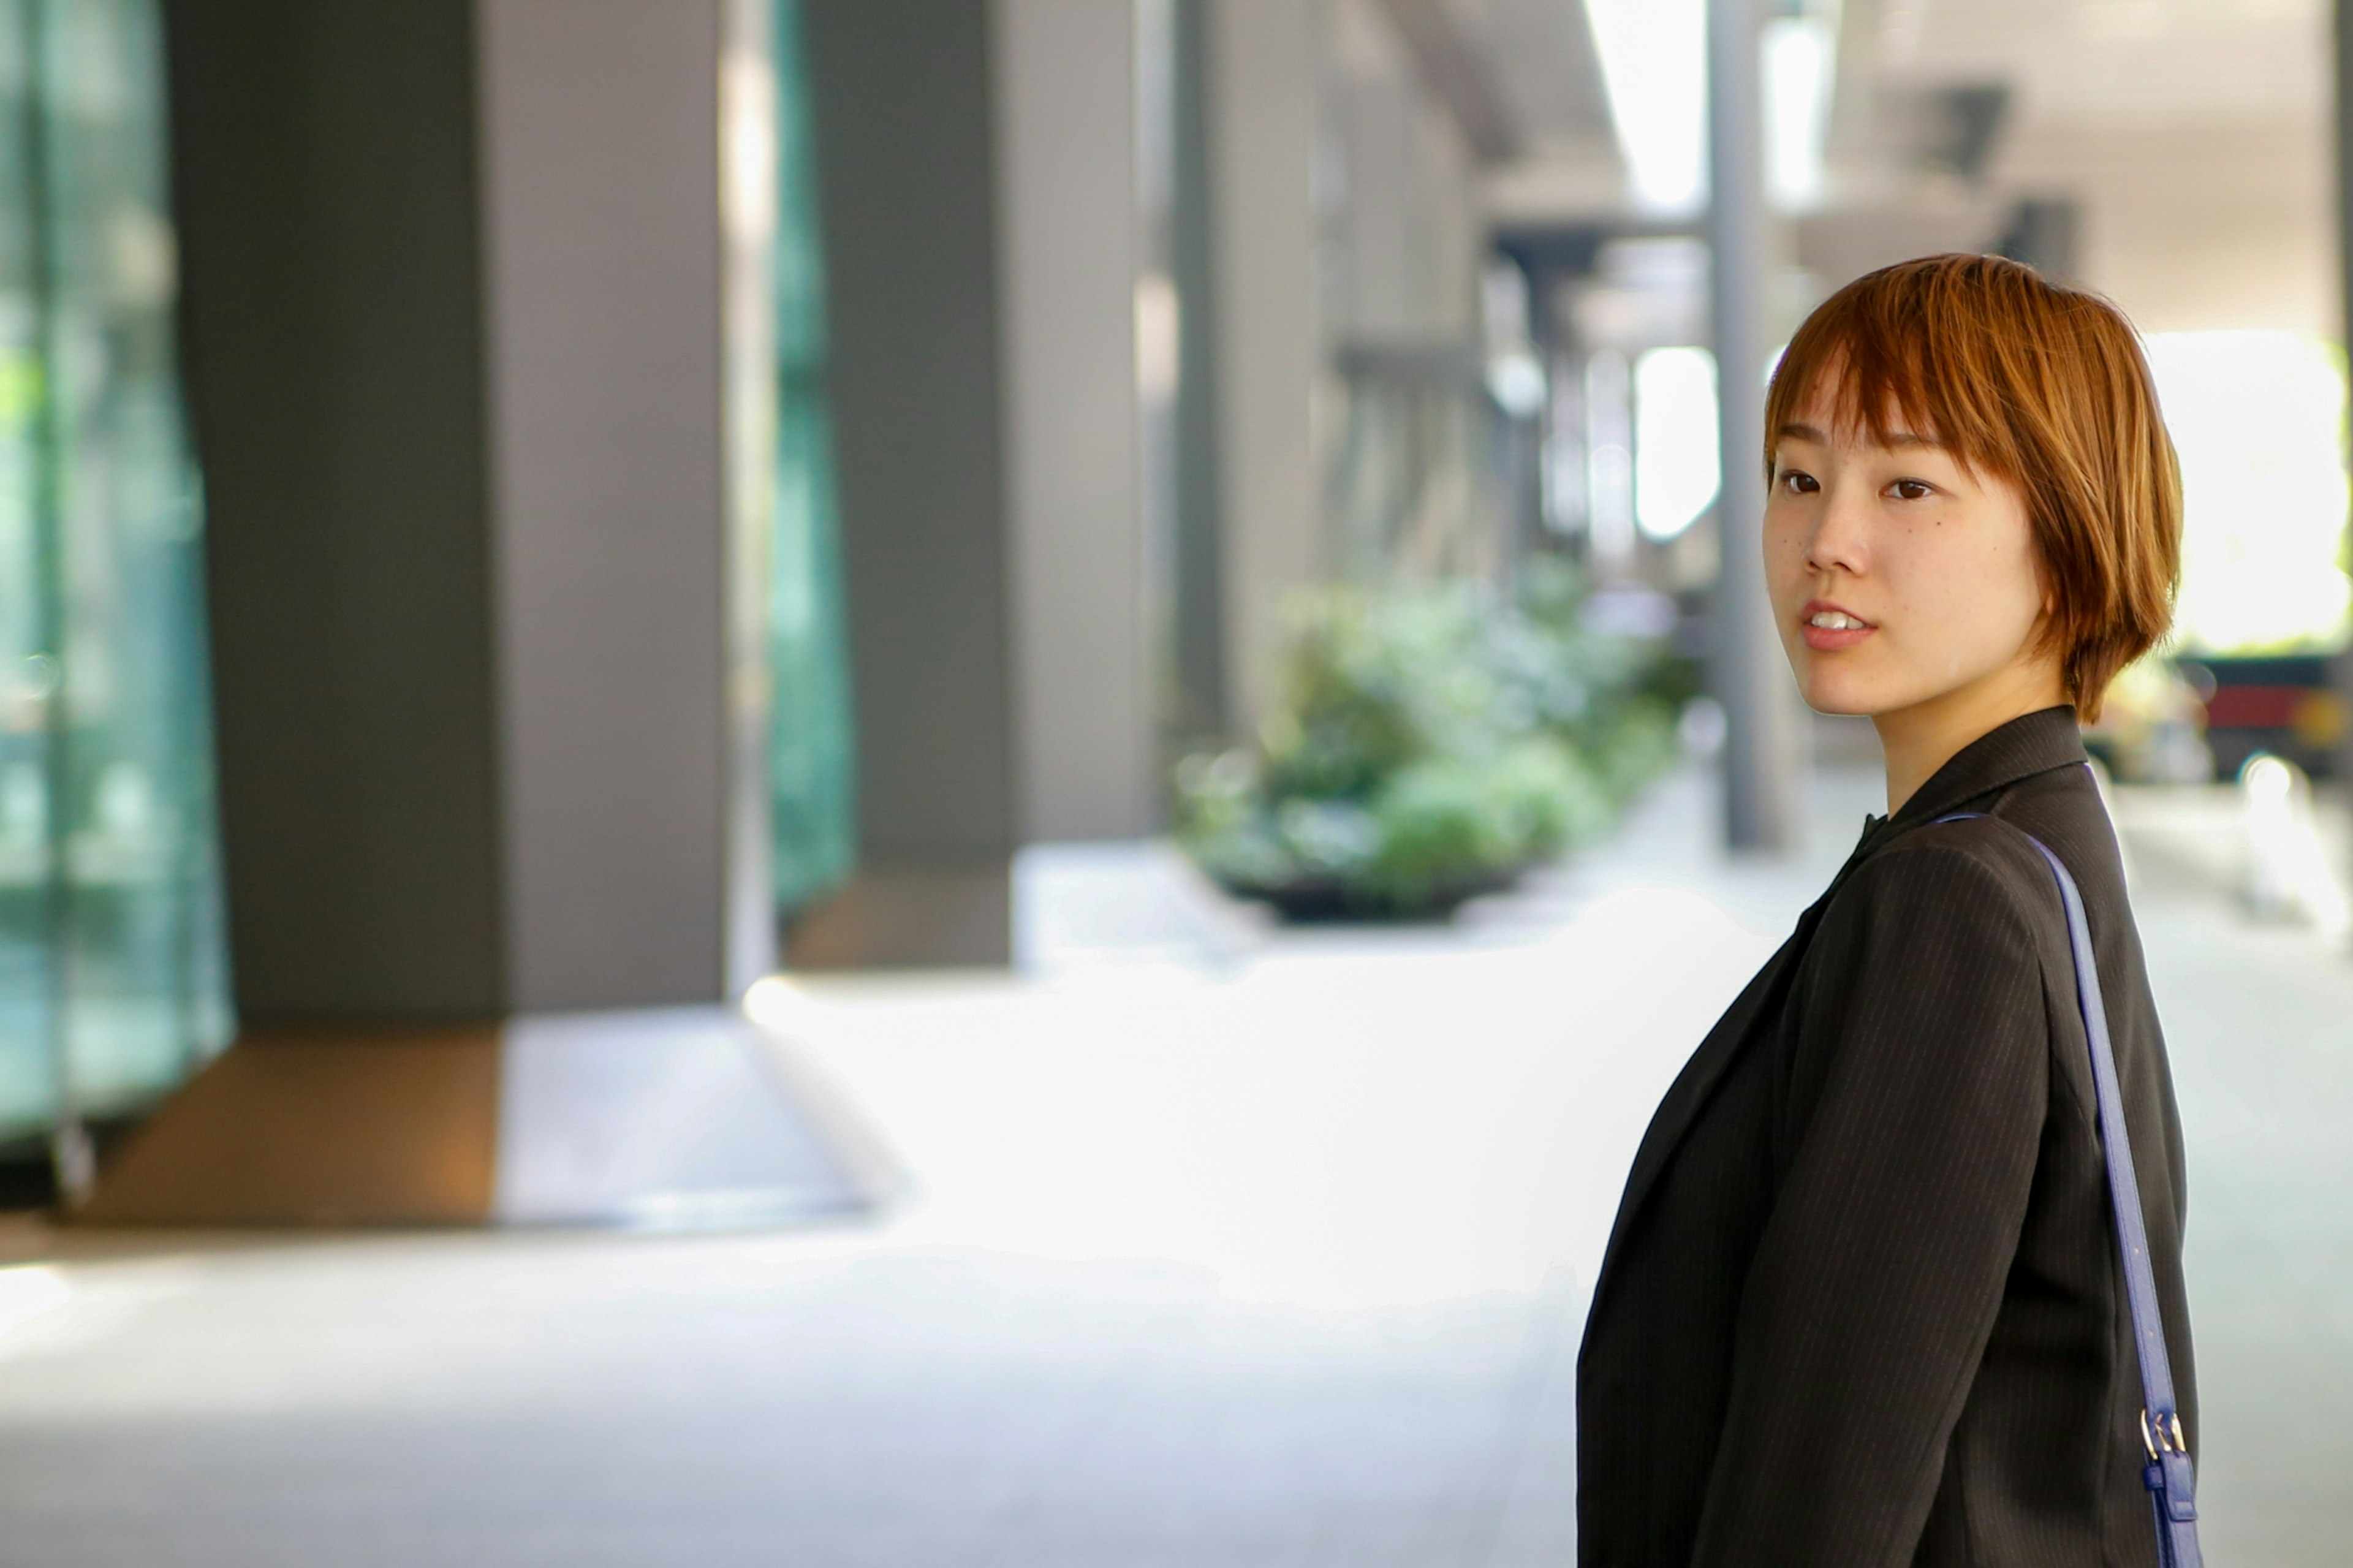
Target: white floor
{"points": [[1218, 1247]]}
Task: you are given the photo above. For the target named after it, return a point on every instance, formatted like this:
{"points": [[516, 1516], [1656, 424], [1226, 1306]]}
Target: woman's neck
{"points": [[1918, 740]]}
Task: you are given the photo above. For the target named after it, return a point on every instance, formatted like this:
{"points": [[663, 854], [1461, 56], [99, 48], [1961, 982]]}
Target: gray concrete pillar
{"points": [[611, 556], [457, 284], [1200, 691], [1260, 92], [976, 173], [1063, 74], [1762, 755]]}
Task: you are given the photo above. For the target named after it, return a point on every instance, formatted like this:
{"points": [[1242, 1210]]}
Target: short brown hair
{"points": [[2044, 386]]}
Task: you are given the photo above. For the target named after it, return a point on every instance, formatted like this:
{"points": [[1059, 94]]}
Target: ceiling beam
{"points": [[1459, 74]]}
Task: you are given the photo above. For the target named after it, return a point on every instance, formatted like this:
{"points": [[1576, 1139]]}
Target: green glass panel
{"points": [[108, 864], [812, 760], [27, 673]]}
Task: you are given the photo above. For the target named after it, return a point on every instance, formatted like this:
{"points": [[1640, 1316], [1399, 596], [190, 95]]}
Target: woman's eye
{"points": [[1799, 484], [1911, 490]]}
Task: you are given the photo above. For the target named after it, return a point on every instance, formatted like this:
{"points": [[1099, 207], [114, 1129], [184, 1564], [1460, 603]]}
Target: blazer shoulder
{"points": [[1978, 864]]}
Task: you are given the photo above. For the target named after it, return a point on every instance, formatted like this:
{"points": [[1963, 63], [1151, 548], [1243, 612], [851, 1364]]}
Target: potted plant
{"points": [[1430, 744]]}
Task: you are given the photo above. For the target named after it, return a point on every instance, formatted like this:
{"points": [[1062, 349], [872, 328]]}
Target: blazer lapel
{"points": [[1716, 1053]]}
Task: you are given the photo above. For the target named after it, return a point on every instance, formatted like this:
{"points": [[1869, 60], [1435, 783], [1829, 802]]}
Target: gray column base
{"points": [[670, 1117], [909, 917]]}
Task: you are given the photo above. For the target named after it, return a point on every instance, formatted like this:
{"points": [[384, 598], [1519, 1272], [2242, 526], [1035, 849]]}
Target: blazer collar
{"points": [[2031, 743]]}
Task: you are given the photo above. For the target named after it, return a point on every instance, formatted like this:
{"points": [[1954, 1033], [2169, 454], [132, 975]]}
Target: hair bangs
{"points": [[1886, 374]]}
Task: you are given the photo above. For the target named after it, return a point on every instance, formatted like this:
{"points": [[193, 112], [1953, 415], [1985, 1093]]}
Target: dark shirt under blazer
{"points": [[1861, 1305]]}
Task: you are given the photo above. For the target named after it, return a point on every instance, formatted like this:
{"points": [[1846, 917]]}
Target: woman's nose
{"points": [[1839, 542]]}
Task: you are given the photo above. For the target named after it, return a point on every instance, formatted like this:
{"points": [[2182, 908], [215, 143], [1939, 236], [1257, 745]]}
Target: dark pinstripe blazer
{"points": [[1861, 1305]]}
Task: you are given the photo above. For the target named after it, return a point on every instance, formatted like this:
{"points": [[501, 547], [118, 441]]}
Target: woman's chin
{"points": [[1843, 699]]}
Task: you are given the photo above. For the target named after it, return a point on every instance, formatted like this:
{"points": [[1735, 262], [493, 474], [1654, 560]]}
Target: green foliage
{"points": [[1431, 743]]}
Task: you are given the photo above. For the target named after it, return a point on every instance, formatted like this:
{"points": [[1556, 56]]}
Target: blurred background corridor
{"points": [[938, 782]]}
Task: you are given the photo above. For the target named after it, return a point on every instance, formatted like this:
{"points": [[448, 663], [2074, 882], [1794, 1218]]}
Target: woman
{"points": [[1862, 1304]]}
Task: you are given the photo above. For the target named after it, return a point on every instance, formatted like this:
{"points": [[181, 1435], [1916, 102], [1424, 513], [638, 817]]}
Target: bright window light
{"points": [[1676, 473], [1654, 66], [1517, 381], [2256, 417], [1799, 53]]}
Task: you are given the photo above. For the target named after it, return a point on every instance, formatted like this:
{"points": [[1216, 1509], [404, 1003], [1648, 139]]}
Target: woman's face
{"points": [[1898, 577]]}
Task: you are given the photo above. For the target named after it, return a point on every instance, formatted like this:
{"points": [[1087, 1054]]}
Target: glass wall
{"points": [[112, 968], [811, 762]]}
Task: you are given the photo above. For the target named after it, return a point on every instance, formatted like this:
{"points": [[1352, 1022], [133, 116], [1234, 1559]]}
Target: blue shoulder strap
{"points": [[2170, 1479]]}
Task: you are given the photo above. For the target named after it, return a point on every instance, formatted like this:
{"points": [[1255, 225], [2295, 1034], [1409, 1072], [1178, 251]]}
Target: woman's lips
{"points": [[1845, 630]]}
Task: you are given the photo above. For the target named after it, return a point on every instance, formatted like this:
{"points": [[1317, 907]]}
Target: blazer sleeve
{"points": [[1914, 1118]]}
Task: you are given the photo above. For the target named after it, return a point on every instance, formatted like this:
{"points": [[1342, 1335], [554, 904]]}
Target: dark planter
{"points": [[1332, 900]]}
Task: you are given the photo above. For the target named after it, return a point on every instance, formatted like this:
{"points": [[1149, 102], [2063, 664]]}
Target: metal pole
{"points": [[1750, 675], [2344, 18]]}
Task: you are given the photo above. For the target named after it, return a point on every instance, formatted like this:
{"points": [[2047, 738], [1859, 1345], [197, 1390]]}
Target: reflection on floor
{"points": [[1220, 1247]]}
